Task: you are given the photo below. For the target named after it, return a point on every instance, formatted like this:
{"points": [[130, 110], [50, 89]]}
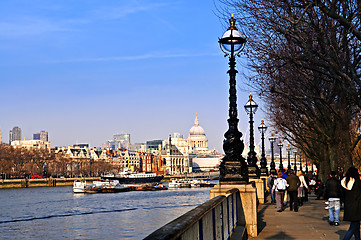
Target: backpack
{"points": [[272, 181], [281, 186]]}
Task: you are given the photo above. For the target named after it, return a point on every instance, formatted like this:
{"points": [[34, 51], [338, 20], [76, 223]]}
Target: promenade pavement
{"points": [[310, 222]]}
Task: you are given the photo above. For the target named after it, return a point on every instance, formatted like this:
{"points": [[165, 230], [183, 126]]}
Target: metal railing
{"points": [[214, 219]]}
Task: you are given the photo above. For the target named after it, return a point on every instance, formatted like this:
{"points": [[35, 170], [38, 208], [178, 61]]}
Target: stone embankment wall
{"points": [[46, 182]]}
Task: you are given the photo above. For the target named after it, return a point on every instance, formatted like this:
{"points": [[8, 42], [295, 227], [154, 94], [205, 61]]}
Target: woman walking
{"points": [[302, 188], [279, 187], [352, 208]]}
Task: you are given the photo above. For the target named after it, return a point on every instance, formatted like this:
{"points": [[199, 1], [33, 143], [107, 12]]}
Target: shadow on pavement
{"points": [[280, 235], [342, 233], [261, 224]]}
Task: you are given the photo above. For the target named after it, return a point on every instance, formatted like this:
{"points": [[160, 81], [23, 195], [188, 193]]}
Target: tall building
{"points": [[15, 134], [124, 138], [43, 136], [1, 139]]}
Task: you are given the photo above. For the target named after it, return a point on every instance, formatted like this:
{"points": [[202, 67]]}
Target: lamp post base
{"points": [[264, 171], [232, 172], [253, 172]]}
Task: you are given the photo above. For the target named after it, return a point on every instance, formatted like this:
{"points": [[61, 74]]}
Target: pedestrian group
{"points": [[334, 191]]}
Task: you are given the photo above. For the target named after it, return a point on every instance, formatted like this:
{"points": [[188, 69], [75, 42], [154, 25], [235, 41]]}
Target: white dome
{"points": [[197, 130]]}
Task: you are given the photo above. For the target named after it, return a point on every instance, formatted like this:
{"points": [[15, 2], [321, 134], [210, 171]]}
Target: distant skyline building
{"points": [[154, 145], [112, 144], [43, 136], [81, 145], [15, 134], [124, 138], [30, 144], [1, 139]]}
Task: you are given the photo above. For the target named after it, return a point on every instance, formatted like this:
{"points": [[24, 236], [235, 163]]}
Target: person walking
{"points": [[333, 194], [302, 188], [279, 188], [293, 183], [352, 207], [284, 176], [270, 181]]}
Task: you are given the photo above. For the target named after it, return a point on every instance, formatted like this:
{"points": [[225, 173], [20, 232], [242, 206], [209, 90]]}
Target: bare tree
{"points": [[306, 60]]}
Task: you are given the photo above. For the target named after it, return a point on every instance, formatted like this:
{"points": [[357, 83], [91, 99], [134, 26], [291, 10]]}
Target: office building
{"points": [[154, 145], [124, 138], [43, 136], [15, 134]]}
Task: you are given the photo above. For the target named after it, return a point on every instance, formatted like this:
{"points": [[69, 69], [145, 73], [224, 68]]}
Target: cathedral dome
{"points": [[196, 129]]}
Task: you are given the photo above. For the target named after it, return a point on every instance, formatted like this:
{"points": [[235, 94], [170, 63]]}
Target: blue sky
{"points": [[85, 70]]}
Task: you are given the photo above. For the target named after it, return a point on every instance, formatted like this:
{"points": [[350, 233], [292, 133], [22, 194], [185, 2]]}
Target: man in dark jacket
{"points": [[293, 182], [333, 193], [270, 182]]}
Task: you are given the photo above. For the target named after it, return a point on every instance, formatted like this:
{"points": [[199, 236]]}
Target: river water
{"points": [[58, 213]]}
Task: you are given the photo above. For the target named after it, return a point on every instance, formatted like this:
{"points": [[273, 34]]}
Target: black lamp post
{"points": [[289, 149], [272, 139], [233, 168], [253, 170], [300, 163], [306, 166], [280, 145], [295, 165], [263, 128]]}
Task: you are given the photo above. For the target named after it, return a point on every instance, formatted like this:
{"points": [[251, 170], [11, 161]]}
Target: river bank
{"points": [[44, 182], [54, 182]]}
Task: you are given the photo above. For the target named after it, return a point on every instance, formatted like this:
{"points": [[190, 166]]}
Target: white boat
{"points": [[179, 184], [174, 184], [201, 183], [79, 186]]}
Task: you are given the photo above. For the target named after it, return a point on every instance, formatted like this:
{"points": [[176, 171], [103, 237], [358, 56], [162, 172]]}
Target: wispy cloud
{"points": [[111, 12], [132, 8], [30, 26], [136, 58], [43, 23]]}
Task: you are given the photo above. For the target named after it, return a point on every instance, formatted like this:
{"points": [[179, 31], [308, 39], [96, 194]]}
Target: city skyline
{"points": [[86, 70]]}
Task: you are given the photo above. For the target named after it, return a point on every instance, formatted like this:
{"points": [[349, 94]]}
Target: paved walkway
{"points": [[310, 222]]}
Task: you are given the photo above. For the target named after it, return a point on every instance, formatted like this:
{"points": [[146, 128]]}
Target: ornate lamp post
{"points": [[251, 108], [280, 145], [263, 128], [272, 139], [289, 149], [295, 165], [233, 168]]}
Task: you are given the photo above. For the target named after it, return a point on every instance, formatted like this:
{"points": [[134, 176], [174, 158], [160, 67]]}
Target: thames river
{"points": [[58, 213]]}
